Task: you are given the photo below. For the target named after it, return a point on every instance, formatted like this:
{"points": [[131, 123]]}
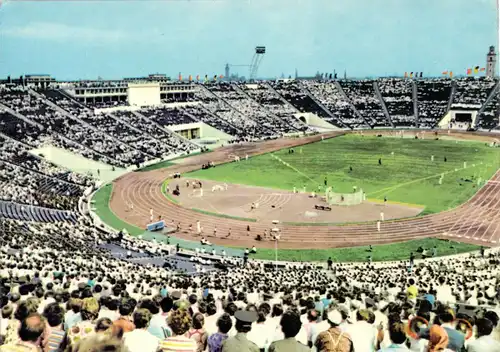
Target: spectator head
{"points": [[211, 309], [198, 321], [363, 315], [166, 304], [492, 316], [32, 328], [54, 314], [100, 343], [25, 308], [142, 317], [484, 327], [244, 320], [103, 325], [90, 308], [75, 304], [334, 317], [179, 321], [411, 282], [312, 315], [224, 323], [277, 310], [438, 338], [126, 309], [397, 333], [446, 316], [290, 323], [7, 311]]}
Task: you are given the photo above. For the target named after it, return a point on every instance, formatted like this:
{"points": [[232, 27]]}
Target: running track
{"points": [[477, 221]]}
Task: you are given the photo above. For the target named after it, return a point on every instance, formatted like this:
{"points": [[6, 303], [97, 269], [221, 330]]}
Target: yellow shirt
{"points": [[412, 292]]}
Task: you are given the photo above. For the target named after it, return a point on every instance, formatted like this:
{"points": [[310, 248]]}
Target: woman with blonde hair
{"points": [[438, 339], [180, 323]]}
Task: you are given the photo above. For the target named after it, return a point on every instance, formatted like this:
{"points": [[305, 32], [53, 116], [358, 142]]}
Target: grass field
{"points": [[395, 251], [407, 176]]}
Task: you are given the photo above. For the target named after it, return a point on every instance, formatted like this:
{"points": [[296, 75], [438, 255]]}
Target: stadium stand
{"points": [[293, 92], [433, 97], [362, 95], [55, 262], [398, 97]]}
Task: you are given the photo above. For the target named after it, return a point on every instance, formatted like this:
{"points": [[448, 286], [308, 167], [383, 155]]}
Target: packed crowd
{"points": [[489, 118], [471, 92], [398, 97], [30, 180], [330, 96], [67, 124], [362, 95], [224, 111], [249, 107], [61, 289], [433, 97]]}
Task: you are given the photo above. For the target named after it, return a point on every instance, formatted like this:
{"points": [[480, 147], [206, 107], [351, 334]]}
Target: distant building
{"points": [[491, 62]]}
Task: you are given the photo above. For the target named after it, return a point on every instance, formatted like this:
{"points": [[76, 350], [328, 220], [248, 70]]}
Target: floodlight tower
{"points": [[256, 60]]}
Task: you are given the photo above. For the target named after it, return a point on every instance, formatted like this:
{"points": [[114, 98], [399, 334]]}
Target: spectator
{"points": [[54, 334], [197, 332], [139, 339], [334, 339], [290, 325], [224, 323], [30, 335], [180, 323], [397, 334], [484, 341]]}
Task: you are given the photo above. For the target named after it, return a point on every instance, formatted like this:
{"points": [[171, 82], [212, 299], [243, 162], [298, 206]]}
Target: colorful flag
{"points": [[206, 79], [476, 70], [221, 76], [190, 78], [411, 74], [469, 71], [451, 74], [180, 76], [197, 77], [406, 74], [482, 69], [444, 72]]}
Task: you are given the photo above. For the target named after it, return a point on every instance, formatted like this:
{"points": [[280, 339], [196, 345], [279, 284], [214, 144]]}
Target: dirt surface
{"points": [[270, 204], [477, 221]]}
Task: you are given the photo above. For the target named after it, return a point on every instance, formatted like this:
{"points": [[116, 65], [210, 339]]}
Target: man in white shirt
{"points": [[484, 341], [140, 340], [363, 334]]}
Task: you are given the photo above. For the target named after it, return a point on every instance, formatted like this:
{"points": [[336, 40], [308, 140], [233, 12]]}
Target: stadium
{"points": [[274, 213]]}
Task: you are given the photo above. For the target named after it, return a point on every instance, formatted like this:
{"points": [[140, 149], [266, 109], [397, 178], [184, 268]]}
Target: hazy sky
{"points": [[114, 39]]}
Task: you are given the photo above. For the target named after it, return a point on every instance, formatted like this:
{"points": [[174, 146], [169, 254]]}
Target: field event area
{"points": [[401, 170]]}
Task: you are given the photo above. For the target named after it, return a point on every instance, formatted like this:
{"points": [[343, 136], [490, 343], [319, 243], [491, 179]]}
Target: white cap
{"points": [[334, 317]]}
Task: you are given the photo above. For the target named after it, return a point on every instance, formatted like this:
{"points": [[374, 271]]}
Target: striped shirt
{"points": [[54, 340], [178, 344]]}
